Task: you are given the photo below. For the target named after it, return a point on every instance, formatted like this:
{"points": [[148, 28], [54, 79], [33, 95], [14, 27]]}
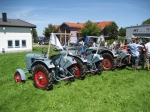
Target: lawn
{"points": [[112, 91]]}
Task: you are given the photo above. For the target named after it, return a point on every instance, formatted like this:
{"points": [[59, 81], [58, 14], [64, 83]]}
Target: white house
{"points": [[15, 35]]}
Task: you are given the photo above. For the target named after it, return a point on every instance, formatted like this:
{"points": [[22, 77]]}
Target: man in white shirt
{"points": [[147, 46]]}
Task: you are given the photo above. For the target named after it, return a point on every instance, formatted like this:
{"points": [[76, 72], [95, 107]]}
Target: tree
{"points": [[51, 28], [110, 30], [34, 34], [146, 21], [90, 29], [122, 32]]}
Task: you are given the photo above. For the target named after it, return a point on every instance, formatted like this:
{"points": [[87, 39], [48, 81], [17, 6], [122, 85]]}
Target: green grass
{"points": [[113, 91]]}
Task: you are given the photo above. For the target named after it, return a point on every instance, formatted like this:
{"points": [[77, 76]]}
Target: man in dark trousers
{"points": [[134, 49]]}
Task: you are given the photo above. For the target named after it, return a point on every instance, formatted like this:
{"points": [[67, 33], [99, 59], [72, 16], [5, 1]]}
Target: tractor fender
{"points": [[98, 56], [110, 52], [22, 73], [94, 58], [123, 53], [46, 63], [82, 59], [65, 63]]}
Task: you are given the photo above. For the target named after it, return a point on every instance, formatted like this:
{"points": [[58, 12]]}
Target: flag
{"points": [[55, 41]]}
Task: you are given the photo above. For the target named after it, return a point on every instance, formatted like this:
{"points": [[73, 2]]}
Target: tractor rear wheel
{"points": [[115, 64], [42, 77], [80, 69], [100, 68], [108, 61], [17, 77], [72, 70], [124, 63]]}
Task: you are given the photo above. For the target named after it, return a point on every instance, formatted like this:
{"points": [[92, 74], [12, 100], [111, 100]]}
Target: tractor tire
{"points": [[17, 78], [100, 68], [80, 69], [114, 65], [124, 62], [72, 70], [108, 61], [42, 77]]}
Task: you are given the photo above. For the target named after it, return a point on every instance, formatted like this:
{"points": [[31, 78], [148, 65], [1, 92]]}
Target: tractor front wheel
{"points": [[80, 69], [100, 68], [17, 77], [42, 77]]}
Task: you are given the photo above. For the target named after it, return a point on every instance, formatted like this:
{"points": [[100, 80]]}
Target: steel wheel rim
{"points": [[106, 63], [40, 78], [78, 71], [17, 77]]}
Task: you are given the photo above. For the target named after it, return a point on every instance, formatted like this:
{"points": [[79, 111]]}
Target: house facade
{"points": [[74, 29], [15, 35]]}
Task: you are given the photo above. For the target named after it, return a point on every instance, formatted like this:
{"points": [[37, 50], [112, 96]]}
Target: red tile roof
{"points": [[75, 25], [80, 25], [57, 26], [103, 24]]}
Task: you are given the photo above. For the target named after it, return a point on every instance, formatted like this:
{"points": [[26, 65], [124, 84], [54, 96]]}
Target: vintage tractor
{"points": [[88, 60], [114, 56], [109, 56], [123, 56], [45, 69]]}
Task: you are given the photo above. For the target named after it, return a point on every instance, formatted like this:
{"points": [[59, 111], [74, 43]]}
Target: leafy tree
{"points": [[90, 28], [122, 32], [110, 30], [51, 28], [146, 21], [34, 34]]}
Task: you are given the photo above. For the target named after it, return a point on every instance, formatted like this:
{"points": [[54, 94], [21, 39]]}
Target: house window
{"points": [[10, 44], [24, 43], [17, 44]]}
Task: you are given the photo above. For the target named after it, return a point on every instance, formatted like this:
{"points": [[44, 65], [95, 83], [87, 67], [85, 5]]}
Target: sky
{"points": [[124, 13]]}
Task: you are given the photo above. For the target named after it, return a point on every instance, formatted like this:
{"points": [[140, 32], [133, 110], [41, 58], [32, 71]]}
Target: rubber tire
{"points": [[114, 65], [82, 69], [71, 69], [125, 62], [100, 68], [110, 59], [48, 75], [17, 77]]}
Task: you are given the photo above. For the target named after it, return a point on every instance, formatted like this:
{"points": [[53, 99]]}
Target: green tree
{"points": [[122, 32], [146, 21], [51, 28], [34, 34], [110, 30], [90, 29]]}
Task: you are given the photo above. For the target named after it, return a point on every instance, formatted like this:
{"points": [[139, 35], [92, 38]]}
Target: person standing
{"points": [[147, 46], [134, 49]]}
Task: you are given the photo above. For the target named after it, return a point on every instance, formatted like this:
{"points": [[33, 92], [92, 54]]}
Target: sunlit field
{"points": [[122, 90]]}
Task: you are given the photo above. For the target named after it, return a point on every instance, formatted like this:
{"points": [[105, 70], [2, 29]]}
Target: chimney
{"points": [[4, 16]]}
